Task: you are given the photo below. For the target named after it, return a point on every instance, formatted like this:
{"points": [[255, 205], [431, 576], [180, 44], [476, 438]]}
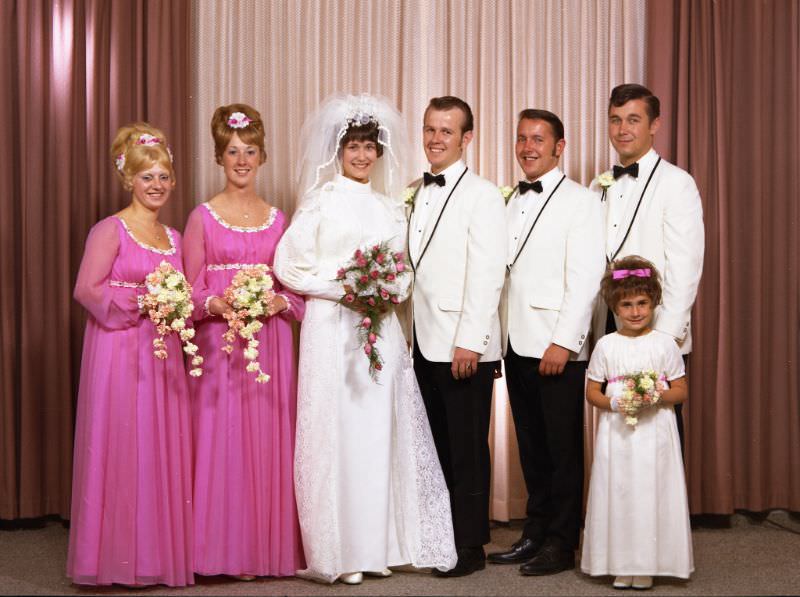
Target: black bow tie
{"points": [[525, 186], [632, 170], [429, 178]]}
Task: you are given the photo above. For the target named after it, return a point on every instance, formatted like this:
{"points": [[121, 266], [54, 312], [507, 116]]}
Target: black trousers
{"points": [[548, 417], [459, 413]]}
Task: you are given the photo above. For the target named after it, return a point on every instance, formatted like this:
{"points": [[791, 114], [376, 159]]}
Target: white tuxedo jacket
{"points": [[552, 285], [459, 273], [668, 230]]}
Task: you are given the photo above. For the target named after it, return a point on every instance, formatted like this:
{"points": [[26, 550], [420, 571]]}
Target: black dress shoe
{"points": [[470, 559], [551, 559], [521, 551]]}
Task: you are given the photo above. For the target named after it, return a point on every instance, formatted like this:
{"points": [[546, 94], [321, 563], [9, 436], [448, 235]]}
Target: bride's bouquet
{"points": [[249, 294], [371, 287], [168, 304], [640, 390]]}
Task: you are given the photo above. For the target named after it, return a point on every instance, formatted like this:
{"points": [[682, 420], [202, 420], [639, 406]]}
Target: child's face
{"points": [[636, 313]]}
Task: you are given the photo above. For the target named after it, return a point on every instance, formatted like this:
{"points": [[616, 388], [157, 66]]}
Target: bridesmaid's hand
{"points": [[277, 305], [216, 306]]}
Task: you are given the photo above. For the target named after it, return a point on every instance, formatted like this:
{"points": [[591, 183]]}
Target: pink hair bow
{"points": [[619, 274]]}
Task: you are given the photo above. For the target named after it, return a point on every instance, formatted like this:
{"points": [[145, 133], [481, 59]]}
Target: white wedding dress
{"points": [[370, 490]]}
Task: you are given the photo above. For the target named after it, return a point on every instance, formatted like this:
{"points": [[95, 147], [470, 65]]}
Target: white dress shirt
{"points": [[621, 194], [427, 206], [522, 210]]}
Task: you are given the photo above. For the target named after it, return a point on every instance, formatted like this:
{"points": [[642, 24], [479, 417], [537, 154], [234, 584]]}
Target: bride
{"points": [[370, 490]]}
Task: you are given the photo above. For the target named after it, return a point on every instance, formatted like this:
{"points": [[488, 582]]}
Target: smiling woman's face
{"points": [[240, 162], [152, 187]]}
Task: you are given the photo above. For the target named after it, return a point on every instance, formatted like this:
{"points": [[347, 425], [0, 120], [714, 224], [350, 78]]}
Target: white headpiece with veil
{"points": [[323, 131]]}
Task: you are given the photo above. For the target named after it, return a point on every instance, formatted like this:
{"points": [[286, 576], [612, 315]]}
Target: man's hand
{"points": [[553, 360], [465, 363]]}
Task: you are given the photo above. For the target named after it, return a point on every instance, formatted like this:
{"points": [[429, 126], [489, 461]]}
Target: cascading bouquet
{"points": [[640, 390], [249, 294], [168, 304], [370, 281]]}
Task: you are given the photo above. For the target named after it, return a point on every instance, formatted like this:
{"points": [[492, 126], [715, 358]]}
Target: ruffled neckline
{"points": [[273, 212], [145, 246]]}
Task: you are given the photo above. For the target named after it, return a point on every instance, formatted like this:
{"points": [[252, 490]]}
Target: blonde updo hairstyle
{"points": [[137, 156], [252, 134]]}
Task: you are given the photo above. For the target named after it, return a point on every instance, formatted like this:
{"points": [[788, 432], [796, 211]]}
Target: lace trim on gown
{"points": [[145, 246], [273, 212]]}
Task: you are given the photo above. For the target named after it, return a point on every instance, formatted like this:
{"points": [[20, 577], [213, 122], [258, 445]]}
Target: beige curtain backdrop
{"points": [[284, 57]]}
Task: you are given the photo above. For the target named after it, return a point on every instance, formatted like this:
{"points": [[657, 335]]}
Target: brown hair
{"points": [[126, 149], [613, 291], [448, 102], [362, 132], [554, 121], [622, 94], [252, 134]]}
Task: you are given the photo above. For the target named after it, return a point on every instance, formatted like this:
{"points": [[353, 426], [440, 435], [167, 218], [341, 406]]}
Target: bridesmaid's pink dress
{"points": [[131, 487], [245, 517]]}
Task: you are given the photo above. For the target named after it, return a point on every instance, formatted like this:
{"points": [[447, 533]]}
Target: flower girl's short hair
{"points": [[228, 120], [634, 275], [136, 147]]}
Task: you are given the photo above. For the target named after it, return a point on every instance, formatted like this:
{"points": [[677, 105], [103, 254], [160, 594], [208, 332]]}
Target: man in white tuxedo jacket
{"points": [[456, 244], [652, 209], [555, 263]]}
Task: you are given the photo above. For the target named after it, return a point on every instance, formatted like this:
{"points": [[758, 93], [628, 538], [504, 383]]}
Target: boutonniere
{"points": [[605, 180], [506, 192], [409, 195]]}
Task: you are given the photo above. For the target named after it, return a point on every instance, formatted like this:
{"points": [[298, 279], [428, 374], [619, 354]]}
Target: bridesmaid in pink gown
{"points": [[131, 486], [245, 517]]}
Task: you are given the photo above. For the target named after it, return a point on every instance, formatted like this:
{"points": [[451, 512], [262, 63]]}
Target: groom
{"points": [[457, 244]]}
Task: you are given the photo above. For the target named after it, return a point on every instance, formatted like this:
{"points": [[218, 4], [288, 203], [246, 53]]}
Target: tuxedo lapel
{"points": [[638, 195], [433, 222]]}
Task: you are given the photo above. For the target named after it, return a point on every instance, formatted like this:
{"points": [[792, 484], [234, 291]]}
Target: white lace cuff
{"points": [[288, 301]]}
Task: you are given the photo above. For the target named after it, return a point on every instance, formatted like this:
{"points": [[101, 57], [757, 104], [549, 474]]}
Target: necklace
{"points": [[156, 230]]}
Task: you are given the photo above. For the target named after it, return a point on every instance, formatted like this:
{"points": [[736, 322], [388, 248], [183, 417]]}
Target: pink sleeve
{"points": [[296, 302], [194, 262], [114, 308]]}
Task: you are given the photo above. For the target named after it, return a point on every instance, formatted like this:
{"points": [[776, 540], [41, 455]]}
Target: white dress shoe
{"points": [[623, 582], [642, 582], [385, 573], [354, 578]]}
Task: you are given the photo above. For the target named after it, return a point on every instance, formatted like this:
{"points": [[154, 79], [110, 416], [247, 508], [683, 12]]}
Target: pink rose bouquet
{"points": [[371, 287]]}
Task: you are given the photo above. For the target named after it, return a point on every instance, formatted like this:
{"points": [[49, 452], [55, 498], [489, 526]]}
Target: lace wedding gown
{"points": [[370, 490]]}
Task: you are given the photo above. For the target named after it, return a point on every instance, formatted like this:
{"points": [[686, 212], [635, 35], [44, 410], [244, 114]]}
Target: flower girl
{"points": [[637, 519]]}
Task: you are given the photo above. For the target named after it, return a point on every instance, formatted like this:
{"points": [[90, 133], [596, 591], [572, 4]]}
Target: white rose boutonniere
{"points": [[409, 195], [605, 180], [506, 192]]}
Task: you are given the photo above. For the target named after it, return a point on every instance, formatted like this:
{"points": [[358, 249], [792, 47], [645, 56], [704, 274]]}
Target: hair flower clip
{"points": [[119, 162], [147, 139], [361, 116], [237, 120]]}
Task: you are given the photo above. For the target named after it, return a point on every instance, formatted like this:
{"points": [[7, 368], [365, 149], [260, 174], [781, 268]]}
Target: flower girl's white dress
{"points": [[637, 517]]}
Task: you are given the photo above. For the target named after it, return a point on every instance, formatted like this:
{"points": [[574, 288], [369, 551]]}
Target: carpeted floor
{"points": [[756, 555]]}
